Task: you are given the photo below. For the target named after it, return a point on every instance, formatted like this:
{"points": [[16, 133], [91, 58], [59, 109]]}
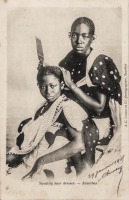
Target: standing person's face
{"points": [[50, 88], [81, 39]]}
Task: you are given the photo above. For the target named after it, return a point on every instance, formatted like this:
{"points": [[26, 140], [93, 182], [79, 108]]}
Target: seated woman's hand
{"points": [[36, 169]]}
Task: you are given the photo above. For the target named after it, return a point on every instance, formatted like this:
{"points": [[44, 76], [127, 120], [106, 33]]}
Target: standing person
{"points": [[43, 139], [92, 79]]}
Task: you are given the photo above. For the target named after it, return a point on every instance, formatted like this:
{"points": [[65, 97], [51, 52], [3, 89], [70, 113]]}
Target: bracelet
{"points": [[73, 86]]}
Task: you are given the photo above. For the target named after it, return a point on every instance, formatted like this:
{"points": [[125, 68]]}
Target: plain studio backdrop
{"points": [[51, 25]]}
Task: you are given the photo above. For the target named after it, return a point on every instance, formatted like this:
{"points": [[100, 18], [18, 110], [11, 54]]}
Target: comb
{"points": [[39, 50]]}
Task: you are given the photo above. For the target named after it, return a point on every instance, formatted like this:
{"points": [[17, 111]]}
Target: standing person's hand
{"points": [[67, 77], [36, 168]]}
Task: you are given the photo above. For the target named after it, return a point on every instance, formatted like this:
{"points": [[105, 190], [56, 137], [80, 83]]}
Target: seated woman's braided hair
{"points": [[49, 70]]}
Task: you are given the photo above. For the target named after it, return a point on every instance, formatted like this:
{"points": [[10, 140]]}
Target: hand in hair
{"points": [[67, 77]]}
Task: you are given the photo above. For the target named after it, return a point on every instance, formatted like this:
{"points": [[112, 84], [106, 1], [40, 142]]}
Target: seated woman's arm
{"points": [[75, 145]]}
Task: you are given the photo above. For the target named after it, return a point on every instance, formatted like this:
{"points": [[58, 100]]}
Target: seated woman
{"points": [[43, 139]]}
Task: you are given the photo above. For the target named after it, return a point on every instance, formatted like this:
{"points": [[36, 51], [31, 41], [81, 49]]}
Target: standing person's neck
{"points": [[88, 51]]}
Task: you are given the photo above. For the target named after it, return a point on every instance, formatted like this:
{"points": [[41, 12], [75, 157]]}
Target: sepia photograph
{"points": [[64, 100]]}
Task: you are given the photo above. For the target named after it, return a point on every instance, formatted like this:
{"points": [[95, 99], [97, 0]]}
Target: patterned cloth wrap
{"points": [[104, 73], [35, 130]]}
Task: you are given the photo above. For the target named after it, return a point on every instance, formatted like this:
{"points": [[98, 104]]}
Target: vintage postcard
{"points": [[64, 100]]}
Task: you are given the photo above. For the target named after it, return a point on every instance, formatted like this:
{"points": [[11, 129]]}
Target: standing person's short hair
{"points": [[86, 21]]}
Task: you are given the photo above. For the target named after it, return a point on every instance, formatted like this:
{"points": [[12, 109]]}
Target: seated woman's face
{"points": [[50, 88]]}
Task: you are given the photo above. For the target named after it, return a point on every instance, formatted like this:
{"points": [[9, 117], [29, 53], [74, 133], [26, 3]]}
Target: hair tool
{"points": [[39, 52]]}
